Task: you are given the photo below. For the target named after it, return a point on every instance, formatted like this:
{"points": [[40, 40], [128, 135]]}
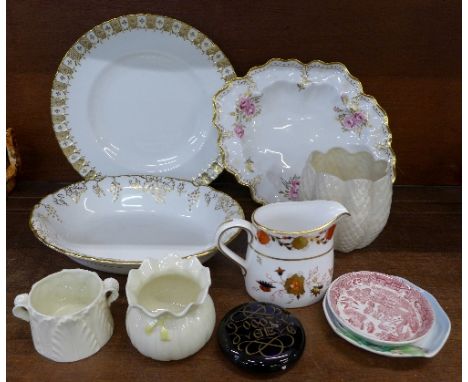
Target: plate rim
{"points": [[82, 165], [253, 184], [110, 261]]}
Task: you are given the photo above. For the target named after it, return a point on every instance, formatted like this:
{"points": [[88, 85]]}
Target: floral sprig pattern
{"points": [[291, 187], [247, 107], [350, 117], [298, 242], [294, 285]]}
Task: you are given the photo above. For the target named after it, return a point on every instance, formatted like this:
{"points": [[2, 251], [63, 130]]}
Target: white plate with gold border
{"points": [[113, 223], [134, 96], [274, 117]]}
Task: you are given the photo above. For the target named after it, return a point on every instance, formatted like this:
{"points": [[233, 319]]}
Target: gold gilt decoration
{"points": [[89, 41], [49, 207]]}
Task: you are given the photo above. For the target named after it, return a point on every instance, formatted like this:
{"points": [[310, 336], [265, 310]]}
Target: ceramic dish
{"points": [[382, 309], [114, 223], [428, 347], [133, 96], [274, 117]]}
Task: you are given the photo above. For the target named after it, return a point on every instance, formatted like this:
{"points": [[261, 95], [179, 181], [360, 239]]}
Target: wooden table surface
{"points": [[421, 242]]}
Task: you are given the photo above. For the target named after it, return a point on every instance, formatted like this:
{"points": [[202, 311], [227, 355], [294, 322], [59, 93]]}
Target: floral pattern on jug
{"points": [[298, 242], [289, 259], [294, 286]]}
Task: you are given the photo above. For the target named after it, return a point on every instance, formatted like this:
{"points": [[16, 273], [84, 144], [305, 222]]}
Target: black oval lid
{"points": [[261, 337]]}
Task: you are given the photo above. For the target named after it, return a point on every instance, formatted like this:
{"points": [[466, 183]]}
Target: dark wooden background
{"points": [[406, 53]]}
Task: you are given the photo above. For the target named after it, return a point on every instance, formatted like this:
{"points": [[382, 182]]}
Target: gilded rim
{"points": [[109, 261], [252, 184], [303, 232], [84, 44]]}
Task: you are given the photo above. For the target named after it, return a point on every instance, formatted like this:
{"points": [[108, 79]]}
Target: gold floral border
{"points": [[94, 37], [252, 184], [76, 191]]}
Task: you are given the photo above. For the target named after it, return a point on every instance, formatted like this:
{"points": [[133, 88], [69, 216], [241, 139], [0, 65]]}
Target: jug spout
{"points": [[332, 211], [323, 213], [291, 218]]}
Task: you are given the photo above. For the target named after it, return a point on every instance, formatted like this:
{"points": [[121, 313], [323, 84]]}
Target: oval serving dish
{"points": [[113, 223], [383, 309]]}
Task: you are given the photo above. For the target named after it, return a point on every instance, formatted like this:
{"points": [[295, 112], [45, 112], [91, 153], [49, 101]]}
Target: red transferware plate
{"points": [[383, 309]]}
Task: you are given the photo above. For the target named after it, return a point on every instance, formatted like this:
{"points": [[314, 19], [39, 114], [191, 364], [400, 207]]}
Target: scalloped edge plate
{"points": [[264, 135]]}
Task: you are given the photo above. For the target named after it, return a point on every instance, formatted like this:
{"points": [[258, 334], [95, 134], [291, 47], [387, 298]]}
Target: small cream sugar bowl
{"points": [[69, 313]]}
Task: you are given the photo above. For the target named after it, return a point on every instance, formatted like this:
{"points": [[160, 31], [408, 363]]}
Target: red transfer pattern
{"points": [[381, 307]]}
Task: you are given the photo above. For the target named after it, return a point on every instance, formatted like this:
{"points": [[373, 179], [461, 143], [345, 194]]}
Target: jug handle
{"points": [[235, 223], [111, 285], [21, 309]]}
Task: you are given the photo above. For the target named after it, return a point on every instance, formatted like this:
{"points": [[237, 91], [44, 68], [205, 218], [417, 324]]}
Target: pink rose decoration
{"points": [[293, 194], [294, 189], [359, 118], [295, 183], [349, 122], [239, 130], [247, 106]]}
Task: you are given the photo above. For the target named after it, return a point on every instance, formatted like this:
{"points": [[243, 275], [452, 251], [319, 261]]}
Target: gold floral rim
{"points": [[95, 36], [221, 136], [107, 261], [303, 232]]}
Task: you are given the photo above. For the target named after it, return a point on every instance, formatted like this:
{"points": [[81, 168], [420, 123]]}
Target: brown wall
{"points": [[406, 53]]}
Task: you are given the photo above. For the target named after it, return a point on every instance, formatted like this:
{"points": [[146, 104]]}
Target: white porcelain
{"points": [[381, 308], [134, 96], [289, 259], [69, 313], [113, 223], [170, 314], [358, 181], [271, 119], [427, 347]]}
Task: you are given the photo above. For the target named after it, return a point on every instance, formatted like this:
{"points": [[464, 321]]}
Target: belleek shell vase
{"points": [[170, 314], [359, 182]]}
